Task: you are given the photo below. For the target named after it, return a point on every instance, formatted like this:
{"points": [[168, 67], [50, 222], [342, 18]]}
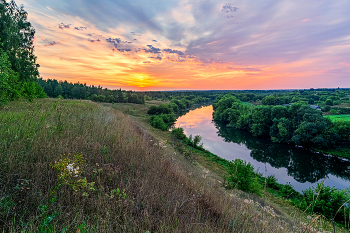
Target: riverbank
{"points": [[132, 178], [217, 165]]}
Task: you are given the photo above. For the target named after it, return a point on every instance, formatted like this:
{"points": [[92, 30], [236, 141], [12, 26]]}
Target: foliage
{"points": [[69, 170], [242, 176], [298, 123], [17, 38], [118, 156], [343, 117], [9, 84], [54, 88], [163, 115], [179, 133], [328, 202], [158, 122], [18, 68]]}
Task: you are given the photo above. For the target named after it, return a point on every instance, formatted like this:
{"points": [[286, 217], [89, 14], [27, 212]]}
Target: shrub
{"points": [[242, 176], [326, 108], [158, 122], [179, 133], [328, 202]]}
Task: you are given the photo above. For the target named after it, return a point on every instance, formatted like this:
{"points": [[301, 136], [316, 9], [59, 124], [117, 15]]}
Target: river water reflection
{"points": [[289, 164]]}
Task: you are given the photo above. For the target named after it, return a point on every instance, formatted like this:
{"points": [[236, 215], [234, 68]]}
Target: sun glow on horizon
{"points": [[176, 46]]}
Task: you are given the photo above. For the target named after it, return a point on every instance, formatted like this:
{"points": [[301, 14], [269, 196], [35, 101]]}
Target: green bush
{"points": [[326, 108], [242, 176], [158, 122], [329, 102], [328, 202], [179, 133]]}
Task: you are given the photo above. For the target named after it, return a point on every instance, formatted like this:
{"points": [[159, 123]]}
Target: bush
{"points": [[242, 176], [179, 133], [328, 202], [326, 108], [329, 102], [158, 122]]}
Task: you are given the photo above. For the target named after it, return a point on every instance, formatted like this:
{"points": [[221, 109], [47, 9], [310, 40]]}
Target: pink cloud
{"points": [[347, 64]]}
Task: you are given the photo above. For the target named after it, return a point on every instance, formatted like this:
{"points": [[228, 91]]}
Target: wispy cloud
{"points": [[181, 44]]}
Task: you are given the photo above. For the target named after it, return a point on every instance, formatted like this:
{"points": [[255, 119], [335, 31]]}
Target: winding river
{"points": [[299, 167]]}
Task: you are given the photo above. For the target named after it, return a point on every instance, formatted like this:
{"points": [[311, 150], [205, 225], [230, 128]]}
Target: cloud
{"points": [[80, 28], [53, 43], [157, 58], [214, 41], [152, 49], [347, 64], [63, 26], [92, 41], [146, 62], [173, 51], [229, 8], [114, 41], [124, 50]]}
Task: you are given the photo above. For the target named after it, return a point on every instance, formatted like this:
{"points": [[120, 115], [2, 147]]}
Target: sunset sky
{"points": [[193, 45]]}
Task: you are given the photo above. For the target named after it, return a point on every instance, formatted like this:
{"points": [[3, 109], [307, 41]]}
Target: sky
{"points": [[193, 45]]}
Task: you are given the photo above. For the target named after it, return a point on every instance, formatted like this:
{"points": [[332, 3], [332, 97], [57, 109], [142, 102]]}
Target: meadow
{"points": [[79, 166], [127, 180], [344, 117]]}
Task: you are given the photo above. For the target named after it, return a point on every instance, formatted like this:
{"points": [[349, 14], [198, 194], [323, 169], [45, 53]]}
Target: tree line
{"points": [[243, 176], [18, 67], [54, 88], [164, 115], [297, 124]]}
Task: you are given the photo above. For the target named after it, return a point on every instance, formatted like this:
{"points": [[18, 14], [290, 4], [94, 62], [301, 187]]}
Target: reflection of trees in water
{"points": [[301, 164]]}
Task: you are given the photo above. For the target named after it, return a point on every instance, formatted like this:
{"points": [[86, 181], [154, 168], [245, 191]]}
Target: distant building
{"points": [[315, 107], [311, 106]]}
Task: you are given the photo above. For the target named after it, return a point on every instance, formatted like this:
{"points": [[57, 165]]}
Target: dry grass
{"points": [[163, 193]]}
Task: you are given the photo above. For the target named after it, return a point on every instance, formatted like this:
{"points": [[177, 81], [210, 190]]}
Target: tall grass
{"points": [[137, 187]]}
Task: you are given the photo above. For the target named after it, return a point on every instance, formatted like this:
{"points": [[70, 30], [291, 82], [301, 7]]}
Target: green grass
{"points": [[344, 117], [160, 186], [248, 104]]}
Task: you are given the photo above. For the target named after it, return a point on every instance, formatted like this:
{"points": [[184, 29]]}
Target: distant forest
{"points": [[54, 88]]}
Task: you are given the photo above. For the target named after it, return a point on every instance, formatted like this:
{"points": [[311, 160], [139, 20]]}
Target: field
{"points": [[248, 104], [131, 177], [344, 117]]}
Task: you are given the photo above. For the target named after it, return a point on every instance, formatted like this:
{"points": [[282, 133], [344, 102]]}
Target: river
{"points": [[299, 167]]}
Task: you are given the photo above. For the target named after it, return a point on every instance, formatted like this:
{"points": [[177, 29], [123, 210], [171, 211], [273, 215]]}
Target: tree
{"points": [[17, 36], [20, 71], [8, 80], [58, 90], [329, 102]]}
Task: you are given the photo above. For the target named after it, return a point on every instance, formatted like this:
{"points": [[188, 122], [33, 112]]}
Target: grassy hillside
{"points": [[129, 178]]}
